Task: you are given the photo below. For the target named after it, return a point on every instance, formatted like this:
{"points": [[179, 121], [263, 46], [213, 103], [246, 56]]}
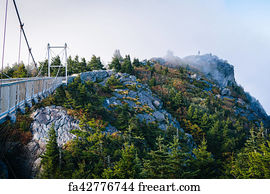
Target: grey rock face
{"points": [[148, 118], [150, 106], [157, 104], [241, 102], [226, 92], [214, 68], [96, 75], [159, 116], [45, 118]]}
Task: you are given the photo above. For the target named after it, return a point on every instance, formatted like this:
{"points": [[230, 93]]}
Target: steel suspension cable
{"points": [[4, 41], [21, 25], [28, 59], [20, 43]]}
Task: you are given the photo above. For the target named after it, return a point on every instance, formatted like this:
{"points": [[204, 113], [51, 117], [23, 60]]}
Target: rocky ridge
{"points": [[138, 96], [214, 68], [222, 74]]}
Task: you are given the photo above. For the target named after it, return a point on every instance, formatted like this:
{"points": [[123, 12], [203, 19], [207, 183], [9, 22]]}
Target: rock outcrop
{"points": [[44, 119], [213, 67], [222, 74], [138, 96]]}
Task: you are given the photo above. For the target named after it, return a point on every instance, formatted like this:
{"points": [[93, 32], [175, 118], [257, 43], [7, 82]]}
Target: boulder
{"points": [[156, 103], [148, 118], [94, 76], [159, 116], [111, 129], [241, 102], [226, 92]]}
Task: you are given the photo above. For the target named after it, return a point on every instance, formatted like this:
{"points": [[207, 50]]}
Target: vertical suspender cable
{"points": [[3, 53], [20, 42], [28, 59], [4, 40]]}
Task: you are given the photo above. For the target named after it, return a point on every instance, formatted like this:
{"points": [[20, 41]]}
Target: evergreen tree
{"points": [[214, 139], [195, 116], [180, 161], [158, 165], [205, 121], [166, 70], [129, 166], [59, 71], [115, 64], [95, 63], [152, 82], [127, 66], [136, 62], [190, 112], [70, 65], [50, 159], [152, 71], [253, 161], [83, 66], [203, 162]]}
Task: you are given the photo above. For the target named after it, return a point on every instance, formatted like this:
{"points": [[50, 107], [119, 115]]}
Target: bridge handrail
{"points": [[22, 91]]}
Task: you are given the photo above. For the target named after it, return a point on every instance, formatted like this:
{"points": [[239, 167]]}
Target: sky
{"points": [[235, 30]]}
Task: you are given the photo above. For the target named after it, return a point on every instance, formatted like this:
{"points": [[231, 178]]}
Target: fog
{"points": [[237, 31]]}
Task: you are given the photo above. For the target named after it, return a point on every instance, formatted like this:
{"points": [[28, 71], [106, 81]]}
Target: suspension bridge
{"points": [[17, 93]]}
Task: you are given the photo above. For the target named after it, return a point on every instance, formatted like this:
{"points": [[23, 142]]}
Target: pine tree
{"points": [[129, 166], [56, 61], [127, 66], [180, 161], [190, 112], [254, 160], [195, 116], [203, 162], [136, 62], [50, 159], [166, 70], [158, 166], [214, 138], [115, 64], [95, 63], [152, 82], [178, 100], [205, 122], [82, 65]]}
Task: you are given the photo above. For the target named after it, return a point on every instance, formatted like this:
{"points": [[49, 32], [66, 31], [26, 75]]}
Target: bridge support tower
{"points": [[60, 66]]}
